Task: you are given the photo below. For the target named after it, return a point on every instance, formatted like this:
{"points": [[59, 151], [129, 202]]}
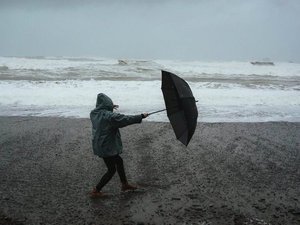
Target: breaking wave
{"points": [[227, 91]]}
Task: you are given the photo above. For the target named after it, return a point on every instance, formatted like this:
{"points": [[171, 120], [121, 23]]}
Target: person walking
{"points": [[106, 140]]}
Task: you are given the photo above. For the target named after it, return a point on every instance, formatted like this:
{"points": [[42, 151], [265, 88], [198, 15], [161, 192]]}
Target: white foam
{"points": [[227, 91], [75, 98]]}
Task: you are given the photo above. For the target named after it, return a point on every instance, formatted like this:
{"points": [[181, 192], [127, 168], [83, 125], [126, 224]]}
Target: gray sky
{"points": [[157, 29]]}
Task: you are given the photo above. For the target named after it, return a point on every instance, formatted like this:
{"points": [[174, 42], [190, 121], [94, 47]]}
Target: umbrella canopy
{"points": [[181, 106]]}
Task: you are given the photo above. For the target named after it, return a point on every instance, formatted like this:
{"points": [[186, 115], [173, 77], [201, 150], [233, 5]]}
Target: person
{"points": [[106, 140]]}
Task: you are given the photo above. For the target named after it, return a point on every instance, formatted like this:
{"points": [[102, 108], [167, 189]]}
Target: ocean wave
{"points": [[186, 69], [217, 101], [283, 76]]}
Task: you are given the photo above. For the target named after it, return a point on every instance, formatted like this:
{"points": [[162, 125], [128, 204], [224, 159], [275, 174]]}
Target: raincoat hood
{"points": [[104, 102]]}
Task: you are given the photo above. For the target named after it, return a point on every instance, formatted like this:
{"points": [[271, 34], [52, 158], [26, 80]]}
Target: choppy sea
{"points": [[226, 91]]}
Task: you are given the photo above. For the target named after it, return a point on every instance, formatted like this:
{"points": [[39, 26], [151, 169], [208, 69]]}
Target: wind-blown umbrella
{"points": [[180, 105]]}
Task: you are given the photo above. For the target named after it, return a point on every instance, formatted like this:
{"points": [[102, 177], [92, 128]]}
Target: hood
{"points": [[104, 102]]}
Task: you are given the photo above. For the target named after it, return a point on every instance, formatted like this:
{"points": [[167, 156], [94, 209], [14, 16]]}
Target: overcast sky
{"points": [[153, 29]]}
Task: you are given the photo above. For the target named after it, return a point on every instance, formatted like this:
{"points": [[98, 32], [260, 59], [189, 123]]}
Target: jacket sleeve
{"points": [[120, 120]]}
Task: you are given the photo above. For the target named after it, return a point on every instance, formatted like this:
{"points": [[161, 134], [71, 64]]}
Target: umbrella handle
{"points": [[157, 111]]}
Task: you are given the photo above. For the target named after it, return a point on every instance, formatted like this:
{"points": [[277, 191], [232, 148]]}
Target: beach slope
{"points": [[231, 173]]}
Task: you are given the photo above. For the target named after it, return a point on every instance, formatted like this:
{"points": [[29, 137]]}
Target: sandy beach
{"points": [[231, 173]]}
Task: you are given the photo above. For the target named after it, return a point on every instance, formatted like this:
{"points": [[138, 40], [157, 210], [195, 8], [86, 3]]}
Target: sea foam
{"points": [[226, 91]]}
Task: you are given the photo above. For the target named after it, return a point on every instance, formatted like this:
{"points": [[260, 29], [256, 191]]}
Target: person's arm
{"points": [[120, 120]]}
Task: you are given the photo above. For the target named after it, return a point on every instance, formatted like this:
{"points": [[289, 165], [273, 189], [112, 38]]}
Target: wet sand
{"points": [[231, 173]]}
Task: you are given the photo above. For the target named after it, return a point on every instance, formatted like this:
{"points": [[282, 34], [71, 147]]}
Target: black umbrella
{"points": [[180, 105]]}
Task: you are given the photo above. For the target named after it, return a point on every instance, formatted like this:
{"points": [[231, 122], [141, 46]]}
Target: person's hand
{"points": [[145, 115]]}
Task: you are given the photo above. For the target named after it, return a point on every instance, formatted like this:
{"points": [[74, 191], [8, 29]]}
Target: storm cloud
{"points": [[167, 29]]}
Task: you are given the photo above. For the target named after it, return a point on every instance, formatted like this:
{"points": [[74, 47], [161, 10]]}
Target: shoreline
{"points": [[231, 173]]}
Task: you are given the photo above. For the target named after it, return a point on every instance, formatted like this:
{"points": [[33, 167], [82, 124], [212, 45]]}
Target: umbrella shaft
{"points": [[157, 111], [161, 110]]}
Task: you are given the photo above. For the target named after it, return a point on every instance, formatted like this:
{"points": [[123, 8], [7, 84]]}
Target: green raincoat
{"points": [[105, 127]]}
